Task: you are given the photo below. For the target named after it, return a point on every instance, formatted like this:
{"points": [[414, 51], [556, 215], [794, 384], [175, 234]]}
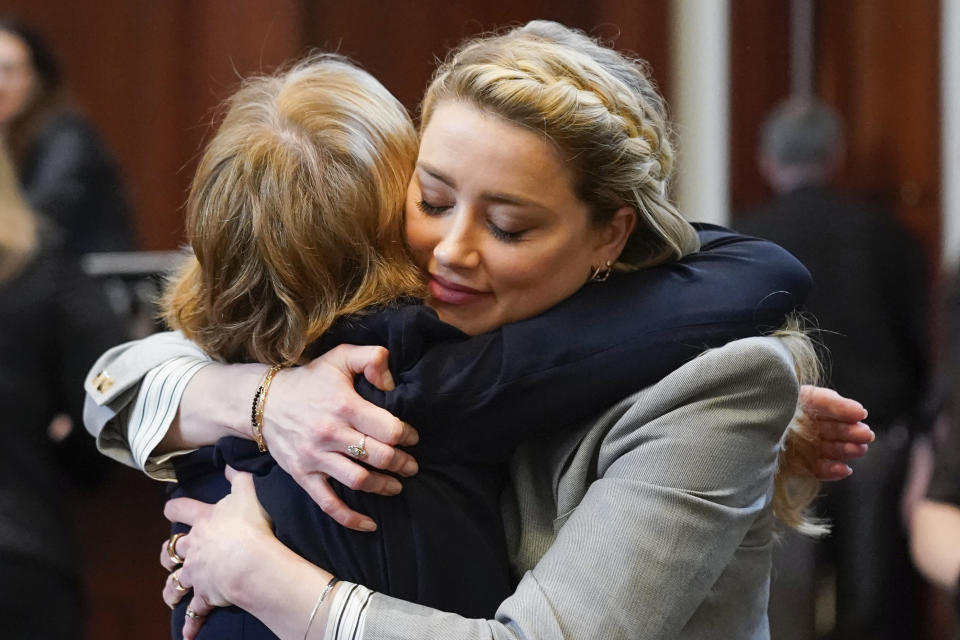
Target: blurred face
{"points": [[493, 221], [16, 76]]}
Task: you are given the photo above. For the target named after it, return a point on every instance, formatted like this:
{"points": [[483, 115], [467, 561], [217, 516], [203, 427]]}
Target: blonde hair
{"points": [[795, 486], [18, 223], [295, 214], [597, 106], [603, 112]]}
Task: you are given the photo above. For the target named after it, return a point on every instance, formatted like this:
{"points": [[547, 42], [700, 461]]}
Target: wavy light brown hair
{"points": [[18, 223], [295, 214]]}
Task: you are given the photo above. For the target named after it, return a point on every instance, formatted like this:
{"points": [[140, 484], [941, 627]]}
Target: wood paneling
{"points": [[878, 63], [399, 41], [759, 78]]}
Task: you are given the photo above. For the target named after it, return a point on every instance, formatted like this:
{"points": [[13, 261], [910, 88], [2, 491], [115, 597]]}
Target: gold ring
{"points": [[357, 450], [193, 615], [176, 582], [172, 548]]}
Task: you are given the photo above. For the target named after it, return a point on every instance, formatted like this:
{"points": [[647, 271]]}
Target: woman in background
{"points": [[66, 172], [53, 323]]}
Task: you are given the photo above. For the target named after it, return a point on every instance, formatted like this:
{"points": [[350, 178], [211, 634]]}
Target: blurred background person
{"points": [[870, 302], [935, 526], [64, 168], [53, 323]]}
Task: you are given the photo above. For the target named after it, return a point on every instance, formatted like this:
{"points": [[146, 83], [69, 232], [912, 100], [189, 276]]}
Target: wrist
{"points": [[280, 589], [216, 403]]}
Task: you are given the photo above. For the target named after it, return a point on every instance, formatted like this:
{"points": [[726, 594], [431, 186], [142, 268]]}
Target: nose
{"points": [[457, 247]]}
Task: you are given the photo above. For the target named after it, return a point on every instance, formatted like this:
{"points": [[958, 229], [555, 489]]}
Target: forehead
{"points": [[475, 146], [13, 48]]}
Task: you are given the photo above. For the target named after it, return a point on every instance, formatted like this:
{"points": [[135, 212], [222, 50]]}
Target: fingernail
{"points": [[388, 383], [368, 525], [393, 487], [414, 437], [410, 468]]}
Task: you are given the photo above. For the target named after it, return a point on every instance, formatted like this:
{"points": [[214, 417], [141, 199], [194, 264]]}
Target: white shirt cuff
{"points": [[154, 410], [348, 612]]}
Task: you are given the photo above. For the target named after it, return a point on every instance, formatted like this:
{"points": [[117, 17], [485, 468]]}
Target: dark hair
{"points": [[45, 65], [48, 95]]}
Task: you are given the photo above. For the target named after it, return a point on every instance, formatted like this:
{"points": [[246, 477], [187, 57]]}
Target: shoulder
{"points": [[738, 396], [750, 364]]}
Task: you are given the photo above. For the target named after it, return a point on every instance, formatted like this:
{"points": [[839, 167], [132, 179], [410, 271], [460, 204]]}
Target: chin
{"points": [[470, 325]]}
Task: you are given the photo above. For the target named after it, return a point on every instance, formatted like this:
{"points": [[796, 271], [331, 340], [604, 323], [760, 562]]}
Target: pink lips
{"points": [[443, 290]]}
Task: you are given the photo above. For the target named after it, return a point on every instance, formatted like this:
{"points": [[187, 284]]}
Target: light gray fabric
{"points": [[106, 413], [653, 522]]}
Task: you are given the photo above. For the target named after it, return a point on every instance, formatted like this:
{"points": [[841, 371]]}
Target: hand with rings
{"points": [[317, 427], [210, 566]]}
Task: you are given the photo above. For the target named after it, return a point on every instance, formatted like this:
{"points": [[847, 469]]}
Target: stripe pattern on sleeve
{"points": [[348, 612], [156, 406]]}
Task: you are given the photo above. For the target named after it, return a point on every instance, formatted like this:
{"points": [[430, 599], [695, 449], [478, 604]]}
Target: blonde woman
{"points": [[483, 275], [53, 324]]}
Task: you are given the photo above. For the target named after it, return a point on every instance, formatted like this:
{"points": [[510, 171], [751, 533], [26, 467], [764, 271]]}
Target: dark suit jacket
{"points": [[869, 295], [53, 323]]}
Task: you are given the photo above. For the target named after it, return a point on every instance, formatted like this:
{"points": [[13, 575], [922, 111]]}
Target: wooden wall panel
{"points": [[399, 41], [759, 79], [878, 63]]}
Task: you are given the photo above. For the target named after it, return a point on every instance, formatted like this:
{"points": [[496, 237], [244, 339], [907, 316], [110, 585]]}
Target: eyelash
{"points": [[498, 233], [429, 209]]}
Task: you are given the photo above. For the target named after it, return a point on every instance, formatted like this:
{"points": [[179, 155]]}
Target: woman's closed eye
{"points": [[431, 209], [504, 235]]}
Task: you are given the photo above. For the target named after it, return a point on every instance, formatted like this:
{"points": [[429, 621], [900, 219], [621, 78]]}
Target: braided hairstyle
{"points": [[604, 114], [597, 106]]}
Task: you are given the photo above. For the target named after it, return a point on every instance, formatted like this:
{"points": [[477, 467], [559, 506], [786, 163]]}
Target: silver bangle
{"points": [[313, 614]]}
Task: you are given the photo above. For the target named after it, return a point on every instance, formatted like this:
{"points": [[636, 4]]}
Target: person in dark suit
{"points": [[53, 322], [869, 299]]}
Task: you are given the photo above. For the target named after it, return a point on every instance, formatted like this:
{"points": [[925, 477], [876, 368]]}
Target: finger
{"points": [[377, 423], [839, 450], [372, 361], [383, 456], [330, 503], [192, 624], [172, 595], [165, 560], [349, 473], [823, 402], [239, 480], [858, 433], [186, 510], [831, 470], [409, 437]]}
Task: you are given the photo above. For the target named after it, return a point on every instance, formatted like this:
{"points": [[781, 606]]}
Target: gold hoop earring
{"points": [[601, 273]]}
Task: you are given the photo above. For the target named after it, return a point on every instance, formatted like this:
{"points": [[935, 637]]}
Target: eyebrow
{"points": [[502, 198]]}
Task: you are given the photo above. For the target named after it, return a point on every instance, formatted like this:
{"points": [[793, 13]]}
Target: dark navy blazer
{"points": [[474, 399]]}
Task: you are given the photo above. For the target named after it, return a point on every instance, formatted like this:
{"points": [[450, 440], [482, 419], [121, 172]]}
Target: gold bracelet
{"points": [[316, 607], [259, 400]]}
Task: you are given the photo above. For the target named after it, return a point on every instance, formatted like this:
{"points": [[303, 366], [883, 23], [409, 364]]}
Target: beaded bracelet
{"points": [[259, 400]]}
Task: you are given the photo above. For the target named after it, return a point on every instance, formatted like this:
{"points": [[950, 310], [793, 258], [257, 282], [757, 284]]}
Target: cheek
{"points": [[421, 237], [531, 284]]}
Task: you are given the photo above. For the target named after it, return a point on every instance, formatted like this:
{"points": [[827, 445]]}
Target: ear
{"points": [[614, 235]]}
